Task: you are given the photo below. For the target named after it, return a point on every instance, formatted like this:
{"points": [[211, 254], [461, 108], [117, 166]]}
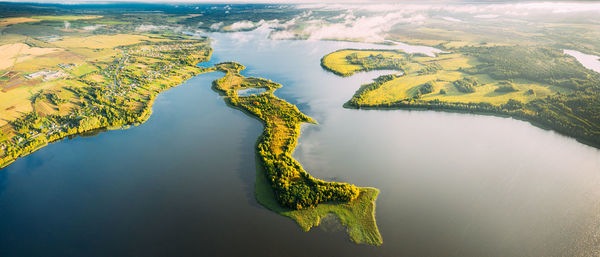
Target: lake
{"points": [[182, 183], [251, 91]]}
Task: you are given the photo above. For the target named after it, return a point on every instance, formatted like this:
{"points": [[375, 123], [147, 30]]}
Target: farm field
{"points": [[54, 90]]}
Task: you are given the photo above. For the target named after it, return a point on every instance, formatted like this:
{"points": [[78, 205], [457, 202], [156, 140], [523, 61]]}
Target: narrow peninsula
{"points": [[282, 185]]}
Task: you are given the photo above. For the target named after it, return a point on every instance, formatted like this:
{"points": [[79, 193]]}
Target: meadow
{"points": [[539, 84]]}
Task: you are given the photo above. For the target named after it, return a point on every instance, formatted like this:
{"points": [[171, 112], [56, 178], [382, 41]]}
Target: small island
{"points": [[282, 185]]}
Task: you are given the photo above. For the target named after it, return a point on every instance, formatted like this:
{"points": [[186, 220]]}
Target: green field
{"points": [[83, 69]]}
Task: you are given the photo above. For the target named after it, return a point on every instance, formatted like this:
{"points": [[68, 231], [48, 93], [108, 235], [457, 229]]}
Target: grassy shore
{"points": [[539, 85], [279, 176]]}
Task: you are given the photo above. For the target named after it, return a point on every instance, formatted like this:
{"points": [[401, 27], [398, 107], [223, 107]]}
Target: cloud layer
{"points": [[372, 22]]}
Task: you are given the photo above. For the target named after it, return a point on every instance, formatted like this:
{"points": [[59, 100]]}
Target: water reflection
{"points": [[251, 91], [589, 61]]}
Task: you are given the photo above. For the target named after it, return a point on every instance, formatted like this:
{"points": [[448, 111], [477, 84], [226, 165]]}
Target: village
{"points": [[96, 94]]}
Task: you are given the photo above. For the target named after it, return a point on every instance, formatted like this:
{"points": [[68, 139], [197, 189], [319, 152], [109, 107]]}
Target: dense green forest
{"points": [[466, 85], [293, 186]]}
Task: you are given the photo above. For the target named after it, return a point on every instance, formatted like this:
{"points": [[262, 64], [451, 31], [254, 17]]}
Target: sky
{"points": [[263, 1]]}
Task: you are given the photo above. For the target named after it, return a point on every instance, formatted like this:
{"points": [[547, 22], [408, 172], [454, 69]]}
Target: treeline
{"points": [[375, 62], [539, 64], [359, 95], [426, 88], [370, 62], [431, 68], [561, 113], [466, 85]]}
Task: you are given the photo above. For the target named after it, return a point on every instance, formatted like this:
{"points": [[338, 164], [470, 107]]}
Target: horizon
{"points": [[290, 1]]}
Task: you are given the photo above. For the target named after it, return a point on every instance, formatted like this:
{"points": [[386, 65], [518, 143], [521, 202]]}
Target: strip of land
{"points": [[538, 84], [282, 185]]}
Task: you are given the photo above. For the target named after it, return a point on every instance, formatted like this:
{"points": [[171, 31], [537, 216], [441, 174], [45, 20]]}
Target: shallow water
{"points": [[181, 184], [589, 61], [251, 91]]}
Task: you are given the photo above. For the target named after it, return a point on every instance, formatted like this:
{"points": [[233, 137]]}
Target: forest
{"points": [[293, 186]]}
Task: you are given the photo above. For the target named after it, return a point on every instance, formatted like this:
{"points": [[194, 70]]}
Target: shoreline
{"points": [[434, 108], [141, 119], [583, 135], [357, 214]]}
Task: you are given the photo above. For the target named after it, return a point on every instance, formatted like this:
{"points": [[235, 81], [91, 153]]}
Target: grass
{"points": [[67, 17], [405, 87], [357, 216], [541, 85], [337, 62], [100, 41], [11, 54], [83, 69], [282, 128], [16, 20], [15, 102]]}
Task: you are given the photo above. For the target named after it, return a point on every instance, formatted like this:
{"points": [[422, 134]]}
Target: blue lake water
{"points": [[251, 91], [181, 184]]}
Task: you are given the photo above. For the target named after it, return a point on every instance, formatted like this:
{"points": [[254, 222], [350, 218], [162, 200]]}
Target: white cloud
{"points": [[216, 26], [486, 16], [244, 25], [496, 8], [452, 19], [346, 26], [146, 27], [376, 20], [93, 27], [283, 34]]}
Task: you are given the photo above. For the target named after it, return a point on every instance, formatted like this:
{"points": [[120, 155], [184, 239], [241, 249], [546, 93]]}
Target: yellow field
{"points": [[338, 59], [11, 54], [407, 86], [49, 61], [100, 41], [14, 103], [83, 69], [67, 17], [12, 38], [16, 20]]}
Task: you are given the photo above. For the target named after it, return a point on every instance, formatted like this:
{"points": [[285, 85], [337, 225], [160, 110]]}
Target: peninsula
{"points": [[282, 185], [539, 84]]}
